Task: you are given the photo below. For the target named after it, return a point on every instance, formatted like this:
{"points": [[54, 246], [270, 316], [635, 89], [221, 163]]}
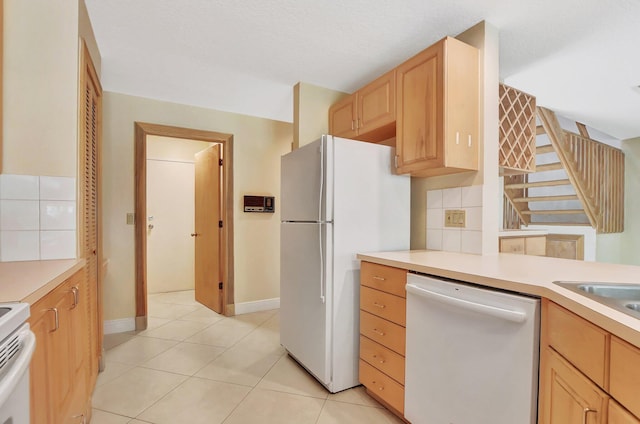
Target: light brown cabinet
{"points": [[437, 110], [382, 333], [583, 368], [535, 245], [368, 114], [59, 370]]}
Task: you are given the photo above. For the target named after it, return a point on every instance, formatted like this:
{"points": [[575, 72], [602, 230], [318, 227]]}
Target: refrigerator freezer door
{"points": [[305, 305], [304, 179]]}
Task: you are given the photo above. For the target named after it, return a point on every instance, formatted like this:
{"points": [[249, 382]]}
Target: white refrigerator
{"points": [[339, 197]]}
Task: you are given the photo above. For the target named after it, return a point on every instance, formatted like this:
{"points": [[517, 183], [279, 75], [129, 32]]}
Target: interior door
{"points": [[208, 274]]}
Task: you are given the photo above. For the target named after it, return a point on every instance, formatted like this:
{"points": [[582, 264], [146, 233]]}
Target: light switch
{"points": [[131, 218], [455, 218]]}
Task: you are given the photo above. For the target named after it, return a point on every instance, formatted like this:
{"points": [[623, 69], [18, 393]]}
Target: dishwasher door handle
{"points": [[16, 370], [506, 314]]}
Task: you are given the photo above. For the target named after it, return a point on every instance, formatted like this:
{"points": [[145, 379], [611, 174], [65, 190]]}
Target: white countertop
{"points": [[527, 274], [30, 280]]}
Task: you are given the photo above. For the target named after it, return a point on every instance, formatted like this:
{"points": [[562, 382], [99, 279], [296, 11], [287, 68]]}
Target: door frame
{"points": [[142, 129]]}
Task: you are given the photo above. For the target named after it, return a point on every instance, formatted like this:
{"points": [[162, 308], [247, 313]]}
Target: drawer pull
{"points": [[379, 305], [57, 318], [585, 411], [375, 277], [380, 388], [375, 330]]}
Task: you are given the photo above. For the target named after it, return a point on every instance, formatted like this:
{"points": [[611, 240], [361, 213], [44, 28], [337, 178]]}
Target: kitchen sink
{"points": [[622, 297]]}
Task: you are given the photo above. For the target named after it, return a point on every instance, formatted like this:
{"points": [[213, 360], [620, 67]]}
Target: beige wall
{"points": [[311, 112], [485, 38], [258, 145], [40, 87], [177, 149], [624, 247], [85, 31]]}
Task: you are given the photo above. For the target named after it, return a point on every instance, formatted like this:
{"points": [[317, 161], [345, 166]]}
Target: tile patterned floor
{"points": [[194, 366]]}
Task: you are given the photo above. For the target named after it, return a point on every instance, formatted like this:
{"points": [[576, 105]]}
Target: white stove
{"points": [[17, 344]]}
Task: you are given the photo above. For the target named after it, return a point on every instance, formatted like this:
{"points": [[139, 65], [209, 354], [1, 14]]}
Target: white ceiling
{"points": [[578, 57]]}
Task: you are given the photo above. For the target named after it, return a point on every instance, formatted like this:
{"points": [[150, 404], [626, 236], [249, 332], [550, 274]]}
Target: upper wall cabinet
{"points": [[437, 110], [368, 114]]}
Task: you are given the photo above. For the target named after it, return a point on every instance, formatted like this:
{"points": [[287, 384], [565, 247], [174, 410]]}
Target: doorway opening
{"points": [[220, 284]]}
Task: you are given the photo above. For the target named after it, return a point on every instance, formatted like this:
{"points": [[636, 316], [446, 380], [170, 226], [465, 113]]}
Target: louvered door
{"points": [[90, 133]]}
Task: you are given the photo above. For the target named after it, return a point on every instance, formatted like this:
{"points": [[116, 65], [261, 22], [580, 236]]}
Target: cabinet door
{"points": [[567, 396], [536, 246], [62, 357], [619, 415], [419, 123], [342, 118], [377, 108], [512, 245], [41, 323]]}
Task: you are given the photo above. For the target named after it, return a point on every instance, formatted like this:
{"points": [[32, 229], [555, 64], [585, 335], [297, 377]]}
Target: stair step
{"points": [[546, 198], [566, 224], [547, 148], [540, 130], [549, 167], [539, 184], [554, 212]]}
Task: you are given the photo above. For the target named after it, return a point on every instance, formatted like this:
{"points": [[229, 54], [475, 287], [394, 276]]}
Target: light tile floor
{"points": [[194, 366]]}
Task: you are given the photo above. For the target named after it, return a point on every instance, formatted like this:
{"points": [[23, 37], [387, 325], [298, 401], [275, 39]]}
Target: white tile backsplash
{"points": [[57, 188], [451, 240], [471, 196], [18, 187], [467, 239], [435, 219], [57, 215], [473, 218], [471, 242], [434, 239], [434, 199], [57, 245], [452, 197], [19, 215], [19, 246], [37, 217]]}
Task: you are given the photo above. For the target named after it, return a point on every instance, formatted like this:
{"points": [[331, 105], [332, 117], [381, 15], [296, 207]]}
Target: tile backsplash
{"points": [[37, 217], [467, 239]]}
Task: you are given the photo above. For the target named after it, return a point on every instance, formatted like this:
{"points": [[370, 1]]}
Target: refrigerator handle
{"points": [[322, 267]]}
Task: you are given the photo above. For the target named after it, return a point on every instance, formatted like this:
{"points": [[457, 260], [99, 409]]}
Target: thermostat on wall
{"points": [[259, 204]]}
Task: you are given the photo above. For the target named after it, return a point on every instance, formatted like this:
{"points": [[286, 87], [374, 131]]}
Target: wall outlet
{"points": [[455, 218]]}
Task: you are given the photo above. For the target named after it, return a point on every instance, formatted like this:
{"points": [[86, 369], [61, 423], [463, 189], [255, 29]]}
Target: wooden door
{"points": [[208, 275], [419, 123], [567, 396], [377, 104], [89, 202], [342, 118]]}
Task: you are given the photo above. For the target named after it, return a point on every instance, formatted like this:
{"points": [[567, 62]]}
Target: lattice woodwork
{"points": [[517, 112]]}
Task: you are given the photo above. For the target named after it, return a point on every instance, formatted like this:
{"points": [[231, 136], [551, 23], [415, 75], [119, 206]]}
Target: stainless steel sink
{"points": [[622, 297]]}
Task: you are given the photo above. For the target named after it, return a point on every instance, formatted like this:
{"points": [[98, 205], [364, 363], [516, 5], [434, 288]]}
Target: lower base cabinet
{"points": [[619, 415], [59, 369]]}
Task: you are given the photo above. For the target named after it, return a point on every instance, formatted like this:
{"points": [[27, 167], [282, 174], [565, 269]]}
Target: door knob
{"points": [[151, 226], [194, 234]]}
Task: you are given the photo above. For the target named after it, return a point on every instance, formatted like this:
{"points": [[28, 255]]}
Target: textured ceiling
{"points": [[578, 57]]}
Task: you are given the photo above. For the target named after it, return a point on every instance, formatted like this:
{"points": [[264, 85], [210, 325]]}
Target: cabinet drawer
{"points": [[580, 342], [382, 386], [382, 331], [383, 304], [624, 379], [385, 278], [382, 358], [512, 245], [618, 415]]}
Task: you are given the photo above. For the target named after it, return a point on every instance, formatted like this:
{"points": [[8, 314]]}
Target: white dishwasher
{"points": [[471, 354]]}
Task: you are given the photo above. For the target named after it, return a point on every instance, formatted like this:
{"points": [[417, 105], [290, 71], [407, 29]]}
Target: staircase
{"points": [[577, 181]]}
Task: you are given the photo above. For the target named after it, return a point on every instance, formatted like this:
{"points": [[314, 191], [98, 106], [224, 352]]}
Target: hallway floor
{"points": [[194, 366]]}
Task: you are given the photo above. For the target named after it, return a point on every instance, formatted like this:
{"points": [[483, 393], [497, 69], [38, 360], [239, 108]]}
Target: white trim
{"points": [[257, 306], [119, 325]]}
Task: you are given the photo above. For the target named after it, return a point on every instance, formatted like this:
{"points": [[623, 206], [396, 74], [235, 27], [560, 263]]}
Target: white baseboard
{"points": [[119, 325], [257, 306]]}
